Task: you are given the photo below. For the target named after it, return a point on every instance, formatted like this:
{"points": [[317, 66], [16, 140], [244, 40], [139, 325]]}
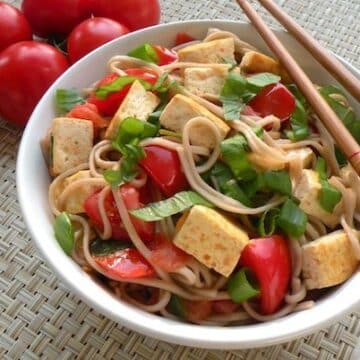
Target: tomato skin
{"points": [[91, 34], [274, 99], [134, 14], [13, 26], [164, 168], [131, 199], [166, 56], [197, 310], [166, 255], [22, 85], [269, 259], [183, 38], [88, 112], [224, 307], [109, 106], [55, 16], [125, 264]]}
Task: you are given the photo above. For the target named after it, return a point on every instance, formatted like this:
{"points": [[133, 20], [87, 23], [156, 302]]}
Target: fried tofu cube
{"points": [[271, 163], [308, 192], [72, 143], [181, 109], [211, 238], [304, 155], [216, 51], [328, 261], [75, 203], [254, 62], [206, 82], [138, 103]]}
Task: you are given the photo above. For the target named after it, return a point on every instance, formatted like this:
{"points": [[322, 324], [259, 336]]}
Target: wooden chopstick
{"points": [[343, 138], [334, 66]]}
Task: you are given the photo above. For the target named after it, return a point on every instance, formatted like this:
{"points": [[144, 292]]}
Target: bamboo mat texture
{"points": [[39, 318]]}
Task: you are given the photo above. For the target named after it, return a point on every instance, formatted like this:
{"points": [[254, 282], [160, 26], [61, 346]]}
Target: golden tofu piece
{"points": [[181, 109], [75, 203], [206, 82], [271, 163], [72, 143], [308, 191], [138, 103], [254, 62], [216, 51], [304, 155], [328, 261], [211, 238]]}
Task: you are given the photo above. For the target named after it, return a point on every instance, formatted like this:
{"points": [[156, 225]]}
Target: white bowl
{"points": [[33, 182]]}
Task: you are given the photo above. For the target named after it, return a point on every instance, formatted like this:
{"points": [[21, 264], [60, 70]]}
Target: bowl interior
{"points": [[33, 182]]}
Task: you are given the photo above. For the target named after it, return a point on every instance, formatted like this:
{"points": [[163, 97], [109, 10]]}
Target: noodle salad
{"points": [[198, 184]]}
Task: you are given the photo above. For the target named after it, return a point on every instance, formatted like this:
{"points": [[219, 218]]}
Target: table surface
{"points": [[39, 318]]}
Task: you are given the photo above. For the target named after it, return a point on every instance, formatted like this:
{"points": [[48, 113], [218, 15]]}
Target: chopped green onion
{"points": [[299, 123], [292, 220], [107, 247], [232, 189], [174, 134], [67, 99], [145, 52], [177, 306], [160, 85], [64, 232], [117, 85], [268, 222], [242, 286], [329, 195], [278, 181], [252, 187], [174, 205], [234, 154]]}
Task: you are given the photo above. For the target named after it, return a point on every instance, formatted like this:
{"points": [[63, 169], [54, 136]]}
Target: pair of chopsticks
{"points": [[342, 136]]}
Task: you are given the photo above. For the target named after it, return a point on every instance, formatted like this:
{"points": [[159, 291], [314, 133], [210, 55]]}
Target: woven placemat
{"points": [[39, 318]]}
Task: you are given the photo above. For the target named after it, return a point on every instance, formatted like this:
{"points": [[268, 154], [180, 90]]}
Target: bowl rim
{"points": [[237, 337]]}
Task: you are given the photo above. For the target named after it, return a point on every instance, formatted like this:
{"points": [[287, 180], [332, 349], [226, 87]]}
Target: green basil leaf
{"points": [[117, 85], [242, 286], [263, 79], [108, 247], [161, 85], [64, 232], [145, 52], [268, 222], [67, 99], [292, 220], [232, 189], [278, 181], [232, 107], [174, 205]]}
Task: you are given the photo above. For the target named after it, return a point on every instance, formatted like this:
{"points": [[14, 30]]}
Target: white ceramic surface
{"points": [[33, 182]]}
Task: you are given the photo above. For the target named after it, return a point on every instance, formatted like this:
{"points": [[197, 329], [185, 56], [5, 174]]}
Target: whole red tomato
{"points": [[91, 34], [13, 26], [48, 17], [135, 14], [27, 69]]}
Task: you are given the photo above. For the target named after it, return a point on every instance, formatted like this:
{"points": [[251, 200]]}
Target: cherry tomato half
{"points": [[274, 99], [165, 55], [135, 14], [183, 38], [269, 259], [27, 69], [164, 168], [13, 26], [91, 34], [109, 106], [131, 198]]}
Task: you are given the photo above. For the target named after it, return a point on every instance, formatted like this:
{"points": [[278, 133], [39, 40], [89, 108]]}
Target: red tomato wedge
{"points": [[164, 168], [89, 112], [125, 264], [165, 55], [166, 255], [183, 38], [109, 106], [274, 99], [131, 198], [269, 259], [197, 310], [224, 307]]}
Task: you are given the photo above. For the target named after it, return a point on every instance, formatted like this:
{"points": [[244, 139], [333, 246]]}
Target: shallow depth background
{"points": [[40, 318]]}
